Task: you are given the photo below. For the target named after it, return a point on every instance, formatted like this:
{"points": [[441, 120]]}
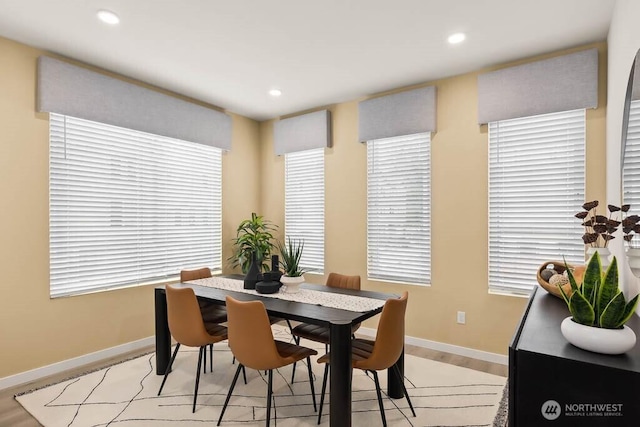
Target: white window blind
{"points": [[536, 186], [631, 169], [304, 205], [399, 209], [127, 207]]}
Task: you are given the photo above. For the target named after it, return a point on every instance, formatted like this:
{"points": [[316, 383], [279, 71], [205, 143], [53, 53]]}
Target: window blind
{"points": [[399, 209], [127, 207], [536, 186], [631, 168], [304, 205]]}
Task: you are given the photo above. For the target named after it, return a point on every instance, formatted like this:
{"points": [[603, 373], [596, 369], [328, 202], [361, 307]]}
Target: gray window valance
{"points": [[304, 132], [75, 91], [558, 84], [398, 114]]}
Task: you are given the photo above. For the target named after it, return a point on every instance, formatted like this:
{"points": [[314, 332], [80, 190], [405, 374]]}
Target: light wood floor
{"points": [[13, 415]]}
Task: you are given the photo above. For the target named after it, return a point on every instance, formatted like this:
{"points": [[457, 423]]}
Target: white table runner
{"points": [[308, 296]]}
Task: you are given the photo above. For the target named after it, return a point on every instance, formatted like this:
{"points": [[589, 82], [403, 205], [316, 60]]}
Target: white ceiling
{"points": [[231, 52]]}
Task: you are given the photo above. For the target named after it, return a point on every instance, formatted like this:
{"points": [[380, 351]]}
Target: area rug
{"points": [[125, 394]]}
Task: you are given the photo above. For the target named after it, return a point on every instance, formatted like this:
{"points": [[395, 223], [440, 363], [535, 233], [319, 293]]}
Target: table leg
{"points": [[163, 336], [340, 390], [394, 387]]}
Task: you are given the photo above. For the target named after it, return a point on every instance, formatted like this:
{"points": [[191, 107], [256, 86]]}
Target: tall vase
{"points": [[604, 256], [251, 278]]}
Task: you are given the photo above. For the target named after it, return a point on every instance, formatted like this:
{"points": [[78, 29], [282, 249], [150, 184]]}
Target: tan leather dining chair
{"points": [[252, 343], [383, 353], [211, 313], [319, 333], [188, 328]]}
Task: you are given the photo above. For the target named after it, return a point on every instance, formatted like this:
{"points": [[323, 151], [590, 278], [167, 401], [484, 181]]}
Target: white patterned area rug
{"points": [[125, 394]]}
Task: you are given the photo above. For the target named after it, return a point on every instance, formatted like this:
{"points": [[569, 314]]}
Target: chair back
{"points": [[250, 336], [390, 336], [200, 273], [336, 280], [185, 320]]}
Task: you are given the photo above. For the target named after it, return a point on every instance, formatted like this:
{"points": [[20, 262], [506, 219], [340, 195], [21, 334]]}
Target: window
{"points": [[536, 186], [631, 168], [399, 209], [128, 207], [304, 205]]}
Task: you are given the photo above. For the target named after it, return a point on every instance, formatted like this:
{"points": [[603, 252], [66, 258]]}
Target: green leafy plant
{"points": [[253, 235], [290, 254], [598, 301]]}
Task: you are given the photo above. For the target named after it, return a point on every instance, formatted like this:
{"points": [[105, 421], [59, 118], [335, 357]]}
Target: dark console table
{"points": [[553, 383]]}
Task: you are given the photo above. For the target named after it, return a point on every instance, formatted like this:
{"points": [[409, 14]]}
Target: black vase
{"points": [[275, 270], [268, 283], [251, 278]]}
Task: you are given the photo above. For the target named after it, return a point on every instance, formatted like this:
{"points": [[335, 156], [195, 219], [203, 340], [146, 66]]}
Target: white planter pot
{"points": [[598, 340], [604, 256], [291, 285]]}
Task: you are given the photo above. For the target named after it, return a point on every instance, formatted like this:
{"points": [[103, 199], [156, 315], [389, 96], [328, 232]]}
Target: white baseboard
{"points": [[447, 348], [65, 365]]}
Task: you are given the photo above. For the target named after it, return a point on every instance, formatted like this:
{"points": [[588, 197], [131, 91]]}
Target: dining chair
{"points": [[319, 333], [383, 353], [188, 328], [252, 343], [211, 313]]}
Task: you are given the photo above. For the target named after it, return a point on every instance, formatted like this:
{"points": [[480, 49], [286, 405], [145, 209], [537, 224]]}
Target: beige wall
{"points": [[459, 196], [35, 330], [40, 331]]}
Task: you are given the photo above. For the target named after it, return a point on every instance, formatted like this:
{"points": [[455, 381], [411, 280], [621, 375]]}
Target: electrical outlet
{"points": [[461, 317]]}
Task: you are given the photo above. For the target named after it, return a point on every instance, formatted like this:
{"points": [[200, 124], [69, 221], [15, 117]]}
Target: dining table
{"points": [[338, 320]]}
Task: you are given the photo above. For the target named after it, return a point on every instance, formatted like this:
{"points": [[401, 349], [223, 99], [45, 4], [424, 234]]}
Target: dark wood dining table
{"points": [[339, 321]]}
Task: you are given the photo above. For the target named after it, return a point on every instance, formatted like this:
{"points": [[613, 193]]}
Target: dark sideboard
{"points": [[553, 383]]}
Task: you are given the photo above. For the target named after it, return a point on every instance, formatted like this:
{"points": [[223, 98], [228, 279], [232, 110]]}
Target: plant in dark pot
{"points": [[290, 255], [253, 236], [252, 247], [599, 311]]}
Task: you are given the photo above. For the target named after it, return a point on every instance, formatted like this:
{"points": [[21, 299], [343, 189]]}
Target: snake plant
{"points": [[598, 301]]}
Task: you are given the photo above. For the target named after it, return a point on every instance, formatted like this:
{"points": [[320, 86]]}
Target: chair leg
{"points": [[201, 353], [233, 384], [244, 375], [293, 372], [211, 356], [204, 365], [269, 393], [313, 392], [324, 388], [166, 372], [375, 378], [404, 389]]}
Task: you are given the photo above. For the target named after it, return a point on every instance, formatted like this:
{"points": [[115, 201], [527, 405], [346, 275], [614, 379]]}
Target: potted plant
{"points": [[599, 311], [600, 229], [253, 236], [290, 254]]}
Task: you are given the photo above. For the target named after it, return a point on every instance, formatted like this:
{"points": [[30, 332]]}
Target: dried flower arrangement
{"points": [[599, 229]]}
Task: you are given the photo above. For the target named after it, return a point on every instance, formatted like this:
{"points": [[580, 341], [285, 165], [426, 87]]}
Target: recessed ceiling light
{"points": [[108, 17], [456, 38], [275, 92]]}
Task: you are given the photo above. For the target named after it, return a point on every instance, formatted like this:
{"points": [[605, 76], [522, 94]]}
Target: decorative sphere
{"points": [[547, 273], [558, 279]]}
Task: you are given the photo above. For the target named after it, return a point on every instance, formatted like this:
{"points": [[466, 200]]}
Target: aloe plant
{"points": [[290, 254], [598, 301]]}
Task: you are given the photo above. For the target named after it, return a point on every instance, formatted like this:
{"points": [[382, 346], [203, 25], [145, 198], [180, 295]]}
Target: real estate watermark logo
{"points": [[551, 410]]}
